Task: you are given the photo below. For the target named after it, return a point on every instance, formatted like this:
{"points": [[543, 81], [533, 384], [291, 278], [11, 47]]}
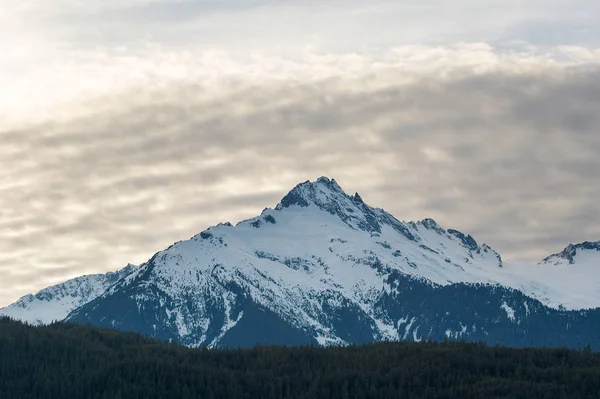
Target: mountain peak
{"points": [[570, 252], [314, 192], [326, 268], [327, 181], [328, 196], [358, 199], [467, 240], [431, 224]]}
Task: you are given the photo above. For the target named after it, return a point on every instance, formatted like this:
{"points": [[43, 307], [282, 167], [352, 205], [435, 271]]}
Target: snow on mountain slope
{"points": [[356, 231], [319, 251], [56, 302], [316, 268], [573, 274], [586, 253]]}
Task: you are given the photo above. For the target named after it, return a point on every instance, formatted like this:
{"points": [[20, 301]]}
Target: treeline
{"points": [[77, 362]]}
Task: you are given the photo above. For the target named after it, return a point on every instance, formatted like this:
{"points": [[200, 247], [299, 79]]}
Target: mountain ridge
{"points": [[570, 252], [323, 267]]}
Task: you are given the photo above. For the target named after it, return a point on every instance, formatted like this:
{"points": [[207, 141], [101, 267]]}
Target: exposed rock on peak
{"points": [[468, 241], [358, 199], [431, 224], [570, 252], [327, 195], [316, 192]]}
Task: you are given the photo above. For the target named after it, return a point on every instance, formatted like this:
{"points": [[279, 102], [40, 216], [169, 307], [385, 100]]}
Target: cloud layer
{"points": [[503, 147], [128, 125]]}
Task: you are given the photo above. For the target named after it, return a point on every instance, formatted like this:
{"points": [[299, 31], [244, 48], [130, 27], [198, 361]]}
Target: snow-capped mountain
{"points": [[585, 253], [323, 267], [56, 302]]}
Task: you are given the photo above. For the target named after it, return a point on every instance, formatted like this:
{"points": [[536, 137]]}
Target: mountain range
{"points": [[325, 268]]}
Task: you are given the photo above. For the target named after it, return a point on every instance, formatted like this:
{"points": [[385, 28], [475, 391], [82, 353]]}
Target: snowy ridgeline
{"points": [[324, 267]]}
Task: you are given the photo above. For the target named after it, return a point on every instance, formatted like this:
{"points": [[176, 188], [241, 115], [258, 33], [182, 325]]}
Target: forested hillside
{"points": [[74, 361]]}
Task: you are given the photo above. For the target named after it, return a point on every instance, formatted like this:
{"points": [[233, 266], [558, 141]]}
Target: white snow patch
{"points": [[408, 327], [510, 313], [416, 338]]}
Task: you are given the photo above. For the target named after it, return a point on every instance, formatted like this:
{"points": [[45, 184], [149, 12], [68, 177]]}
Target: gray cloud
{"points": [[508, 157]]}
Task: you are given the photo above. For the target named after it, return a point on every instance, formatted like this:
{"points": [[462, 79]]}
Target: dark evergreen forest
{"points": [[75, 361]]}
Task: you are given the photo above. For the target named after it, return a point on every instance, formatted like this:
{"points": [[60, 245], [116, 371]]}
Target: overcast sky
{"points": [[126, 125]]}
